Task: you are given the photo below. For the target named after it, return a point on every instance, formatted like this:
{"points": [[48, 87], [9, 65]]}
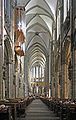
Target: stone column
{"points": [[26, 75], [73, 47], [39, 73], [35, 72], [64, 81], [39, 89], [73, 74], [41, 81], [1, 72], [11, 69], [1, 46], [50, 69], [47, 76], [56, 85], [64, 72]]}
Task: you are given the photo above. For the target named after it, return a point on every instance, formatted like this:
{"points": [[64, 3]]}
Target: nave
{"points": [[37, 110], [37, 58]]}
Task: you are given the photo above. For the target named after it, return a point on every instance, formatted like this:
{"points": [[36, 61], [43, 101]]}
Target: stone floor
{"points": [[37, 110]]}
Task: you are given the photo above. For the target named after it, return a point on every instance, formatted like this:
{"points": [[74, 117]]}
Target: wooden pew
{"points": [[14, 105], [5, 112], [64, 108], [71, 111], [18, 107]]}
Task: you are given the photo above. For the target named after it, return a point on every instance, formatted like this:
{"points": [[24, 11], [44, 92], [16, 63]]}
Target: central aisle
{"points": [[37, 110]]}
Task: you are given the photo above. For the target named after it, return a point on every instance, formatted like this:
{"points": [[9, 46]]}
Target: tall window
{"points": [[66, 8], [68, 5], [58, 24], [36, 71], [40, 71], [7, 7]]}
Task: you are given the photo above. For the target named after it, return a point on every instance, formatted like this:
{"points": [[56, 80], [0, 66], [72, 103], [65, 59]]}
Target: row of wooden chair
{"points": [[12, 108], [64, 108]]}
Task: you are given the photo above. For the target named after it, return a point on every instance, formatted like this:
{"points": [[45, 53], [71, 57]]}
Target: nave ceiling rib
{"points": [[39, 19]]}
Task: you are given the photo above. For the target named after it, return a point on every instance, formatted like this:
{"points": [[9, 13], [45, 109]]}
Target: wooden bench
{"points": [[5, 113], [14, 106], [71, 111]]}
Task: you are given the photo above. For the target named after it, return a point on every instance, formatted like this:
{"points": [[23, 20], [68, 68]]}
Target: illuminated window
{"points": [[42, 80], [58, 24], [68, 2], [66, 8], [36, 71], [40, 71]]}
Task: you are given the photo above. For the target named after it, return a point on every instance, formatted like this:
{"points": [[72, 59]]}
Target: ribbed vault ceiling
{"points": [[38, 24]]}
